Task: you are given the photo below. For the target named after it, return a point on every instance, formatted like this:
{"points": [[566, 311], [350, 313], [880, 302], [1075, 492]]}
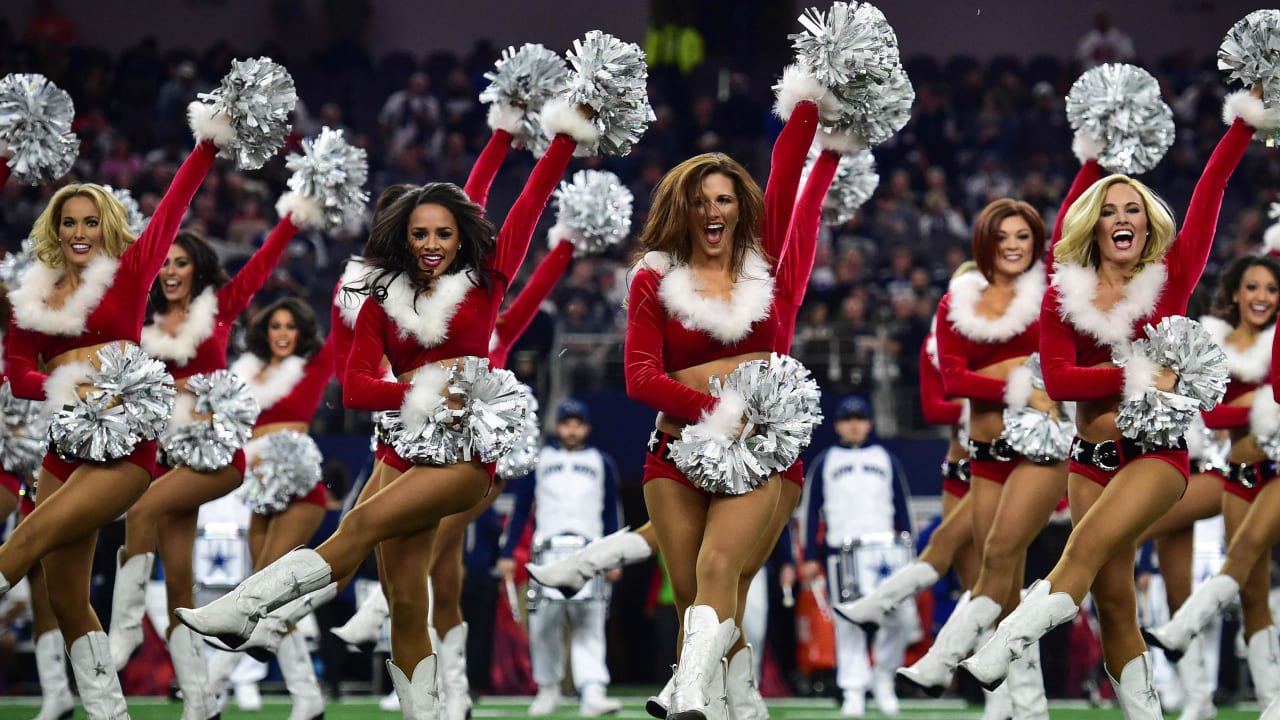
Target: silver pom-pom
{"points": [[438, 441], [132, 211], [24, 433], [332, 172], [131, 402], [486, 427], [16, 262], [1038, 436], [1120, 106], [285, 466], [1158, 418], [35, 122], [611, 77], [232, 410], [523, 456], [594, 209], [527, 78], [1250, 53], [849, 48], [257, 96], [854, 183], [882, 114], [782, 409]]}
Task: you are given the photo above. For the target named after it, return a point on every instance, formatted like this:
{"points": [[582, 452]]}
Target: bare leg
{"points": [[962, 554], [1027, 501], [179, 492]]}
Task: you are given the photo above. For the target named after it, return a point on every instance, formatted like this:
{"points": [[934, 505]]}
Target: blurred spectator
{"points": [[1104, 43], [409, 116]]}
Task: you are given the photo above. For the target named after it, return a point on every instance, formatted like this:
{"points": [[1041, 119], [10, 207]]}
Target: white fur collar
{"points": [[349, 304], [725, 320], [30, 298], [198, 327], [426, 318], [1023, 310], [1251, 365], [279, 381], [1264, 416], [1078, 286]]}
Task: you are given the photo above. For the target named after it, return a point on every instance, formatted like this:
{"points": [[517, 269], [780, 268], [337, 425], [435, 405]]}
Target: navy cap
{"points": [[573, 408], [854, 406]]}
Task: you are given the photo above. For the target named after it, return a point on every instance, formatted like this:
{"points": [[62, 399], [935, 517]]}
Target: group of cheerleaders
{"points": [[721, 276]]}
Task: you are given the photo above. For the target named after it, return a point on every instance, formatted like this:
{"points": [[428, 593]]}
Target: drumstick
{"points": [[513, 599], [819, 590], [788, 596]]}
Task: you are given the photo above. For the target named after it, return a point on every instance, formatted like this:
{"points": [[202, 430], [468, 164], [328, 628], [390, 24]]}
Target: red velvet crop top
{"points": [[292, 390], [1250, 370]]}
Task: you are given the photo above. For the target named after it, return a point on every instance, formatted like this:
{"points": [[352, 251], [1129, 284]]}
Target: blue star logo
{"points": [[219, 561], [885, 569]]}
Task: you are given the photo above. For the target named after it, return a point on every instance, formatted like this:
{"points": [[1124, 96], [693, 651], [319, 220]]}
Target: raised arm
{"points": [[1089, 173], [145, 257], [236, 295], [645, 368], [517, 229], [785, 167], [1226, 417], [364, 387], [957, 379], [516, 318], [486, 167], [796, 266]]}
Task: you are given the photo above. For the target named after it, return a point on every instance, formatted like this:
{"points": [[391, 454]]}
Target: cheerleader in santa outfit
{"points": [[86, 290], [1118, 269], [438, 277]]}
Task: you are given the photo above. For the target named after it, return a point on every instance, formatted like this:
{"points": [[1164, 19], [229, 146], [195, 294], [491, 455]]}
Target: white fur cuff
{"points": [[60, 386], [798, 85], [1086, 147], [1018, 387], [184, 411], [1271, 240], [1139, 376], [1241, 104], [726, 419], [558, 116], [206, 126], [562, 233], [505, 117], [843, 143], [1264, 415], [425, 394], [305, 211]]}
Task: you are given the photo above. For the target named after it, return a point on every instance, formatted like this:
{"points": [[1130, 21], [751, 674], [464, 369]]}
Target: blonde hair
{"points": [[1078, 247], [964, 268], [116, 237]]}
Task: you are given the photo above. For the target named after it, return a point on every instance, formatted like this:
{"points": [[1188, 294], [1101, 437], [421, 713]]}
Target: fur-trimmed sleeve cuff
{"points": [[1139, 376], [1271, 240], [205, 125], [61, 384], [1086, 147], [558, 116], [505, 117], [1241, 104], [840, 142], [424, 396], [1017, 388], [305, 211], [798, 85], [726, 419]]}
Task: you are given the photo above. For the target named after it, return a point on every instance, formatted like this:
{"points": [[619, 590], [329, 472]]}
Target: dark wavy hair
{"points": [[1224, 304], [208, 271], [255, 337], [387, 251]]}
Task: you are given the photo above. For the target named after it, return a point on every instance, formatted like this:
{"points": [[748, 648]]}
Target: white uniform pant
{"points": [[854, 671], [586, 652], [755, 619]]}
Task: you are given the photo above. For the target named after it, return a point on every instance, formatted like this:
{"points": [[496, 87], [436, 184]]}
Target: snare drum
{"points": [[559, 547], [221, 559], [865, 561]]}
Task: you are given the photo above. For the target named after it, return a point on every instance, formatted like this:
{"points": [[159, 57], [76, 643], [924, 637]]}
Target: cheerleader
{"points": [[1118, 269], [438, 279]]}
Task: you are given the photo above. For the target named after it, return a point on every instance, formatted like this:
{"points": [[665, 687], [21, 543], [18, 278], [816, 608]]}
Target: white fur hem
{"points": [[558, 116], [1264, 415], [198, 327], [843, 142], [1017, 388], [61, 384], [1241, 104], [425, 394], [349, 304], [725, 320], [278, 383], [505, 117], [1251, 364], [1086, 147], [563, 233], [1024, 309], [1139, 376], [305, 211], [727, 417], [207, 126], [798, 85]]}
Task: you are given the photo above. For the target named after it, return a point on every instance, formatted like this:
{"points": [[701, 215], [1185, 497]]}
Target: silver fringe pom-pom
{"points": [[438, 441], [132, 402], [1158, 418], [1120, 105], [331, 172], [596, 207], [1037, 436], [24, 433], [35, 122], [232, 410], [854, 183], [1250, 53], [523, 456], [132, 211], [16, 262], [850, 48], [490, 422], [886, 111], [611, 77], [527, 78], [257, 96], [782, 409], [286, 467], [1270, 445]]}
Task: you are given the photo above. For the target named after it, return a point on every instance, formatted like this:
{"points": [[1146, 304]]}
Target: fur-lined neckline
{"points": [[1251, 365], [426, 317], [202, 313], [1077, 287], [30, 298], [279, 381], [726, 320], [1023, 310], [349, 304]]}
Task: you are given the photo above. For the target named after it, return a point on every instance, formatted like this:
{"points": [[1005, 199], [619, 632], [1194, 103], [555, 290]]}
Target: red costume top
{"points": [[1077, 335], [792, 276], [934, 405], [516, 318], [457, 317], [292, 389], [671, 326], [1249, 370], [110, 302], [201, 343]]}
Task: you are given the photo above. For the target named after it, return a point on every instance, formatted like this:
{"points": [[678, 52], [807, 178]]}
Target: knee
{"points": [[718, 566], [358, 526], [407, 601], [1000, 551]]}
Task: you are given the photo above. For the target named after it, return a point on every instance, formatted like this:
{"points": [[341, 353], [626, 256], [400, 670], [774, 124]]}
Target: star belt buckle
{"points": [[1106, 455], [1002, 451], [1248, 475], [964, 471]]}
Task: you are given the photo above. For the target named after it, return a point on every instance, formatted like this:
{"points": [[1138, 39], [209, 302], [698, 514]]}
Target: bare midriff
{"points": [[986, 418], [87, 354], [1096, 419], [699, 377], [1244, 446], [264, 430]]}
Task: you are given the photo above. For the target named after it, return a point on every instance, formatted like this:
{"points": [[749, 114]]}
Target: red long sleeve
{"points": [[957, 379], [785, 167], [236, 295], [486, 167], [4, 172], [515, 319], [364, 387], [1063, 379], [935, 407], [1225, 417], [20, 353], [792, 277], [517, 229], [146, 256], [645, 367], [1088, 174]]}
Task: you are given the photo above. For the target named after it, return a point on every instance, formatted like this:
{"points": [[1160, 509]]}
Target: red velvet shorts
{"points": [[389, 457], [658, 463], [143, 455], [997, 471], [315, 497], [795, 473], [1176, 458], [12, 483], [955, 478]]}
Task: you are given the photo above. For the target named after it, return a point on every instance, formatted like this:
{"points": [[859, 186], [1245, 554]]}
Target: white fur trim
{"points": [[1251, 364], [184, 412], [280, 380], [207, 126], [1078, 286], [349, 304], [558, 116], [305, 211], [840, 142], [505, 117], [1023, 310], [253, 448], [1271, 240], [658, 262], [1264, 415], [198, 327], [798, 85], [1139, 376], [30, 298], [1018, 387], [727, 417], [725, 320], [1086, 147], [424, 395], [563, 233], [427, 317], [493, 341], [60, 385], [1241, 104]]}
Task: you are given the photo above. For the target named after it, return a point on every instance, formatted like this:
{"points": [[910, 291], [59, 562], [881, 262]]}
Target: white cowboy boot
{"points": [[300, 678], [96, 678], [1136, 690], [1264, 664], [1204, 605], [1026, 686], [1198, 703], [452, 668], [192, 674], [997, 705], [57, 702], [418, 699], [955, 640], [128, 605], [657, 705], [615, 550], [1038, 613], [267, 635], [364, 627], [231, 617], [745, 701], [700, 675], [870, 610], [1272, 711]]}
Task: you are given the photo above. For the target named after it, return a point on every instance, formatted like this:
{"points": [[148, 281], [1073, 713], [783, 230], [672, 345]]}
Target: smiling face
{"points": [[177, 275], [433, 238], [1257, 296], [715, 217], [1014, 246], [282, 334], [1121, 229], [80, 232]]}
